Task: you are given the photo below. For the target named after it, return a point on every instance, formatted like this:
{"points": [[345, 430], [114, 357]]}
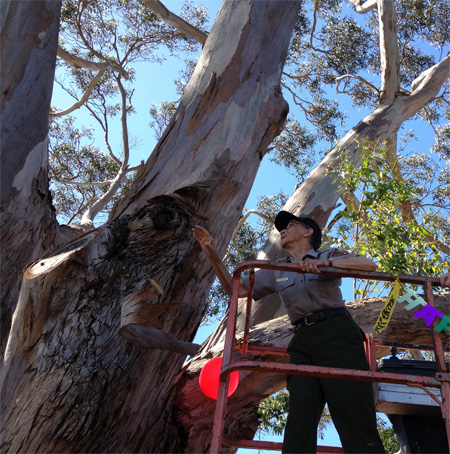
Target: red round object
{"points": [[209, 378]]}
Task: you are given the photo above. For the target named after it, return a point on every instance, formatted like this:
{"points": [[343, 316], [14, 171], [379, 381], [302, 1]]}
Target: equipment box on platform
{"points": [[407, 400]]}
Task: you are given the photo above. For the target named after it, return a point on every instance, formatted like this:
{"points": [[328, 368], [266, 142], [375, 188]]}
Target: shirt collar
{"points": [[311, 253]]}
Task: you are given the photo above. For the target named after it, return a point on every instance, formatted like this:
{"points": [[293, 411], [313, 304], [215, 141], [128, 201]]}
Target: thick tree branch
{"points": [[79, 62], [175, 21], [431, 80], [390, 63]]}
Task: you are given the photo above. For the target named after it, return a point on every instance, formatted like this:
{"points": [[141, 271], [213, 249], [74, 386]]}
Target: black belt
{"points": [[315, 317]]}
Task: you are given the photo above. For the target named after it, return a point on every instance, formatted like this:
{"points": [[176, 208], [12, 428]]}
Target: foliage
{"points": [[75, 159], [246, 243], [387, 435], [335, 49], [294, 149], [332, 48], [273, 413], [398, 219]]}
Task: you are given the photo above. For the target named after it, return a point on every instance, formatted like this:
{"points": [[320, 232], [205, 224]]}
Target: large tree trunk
{"points": [[71, 383], [29, 36]]}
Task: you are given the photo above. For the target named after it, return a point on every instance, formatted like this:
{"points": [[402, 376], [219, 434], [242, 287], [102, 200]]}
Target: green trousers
{"points": [[337, 342]]}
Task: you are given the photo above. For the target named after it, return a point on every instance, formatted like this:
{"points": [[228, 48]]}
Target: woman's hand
{"points": [[312, 265], [208, 246], [205, 240]]}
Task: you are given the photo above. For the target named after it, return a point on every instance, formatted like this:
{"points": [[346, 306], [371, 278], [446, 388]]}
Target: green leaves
{"points": [[273, 412], [390, 220]]}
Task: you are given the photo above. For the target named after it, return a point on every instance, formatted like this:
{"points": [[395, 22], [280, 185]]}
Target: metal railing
{"points": [[441, 380]]}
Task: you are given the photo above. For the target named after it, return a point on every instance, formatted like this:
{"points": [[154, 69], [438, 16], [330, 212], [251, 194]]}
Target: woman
{"points": [[325, 335]]}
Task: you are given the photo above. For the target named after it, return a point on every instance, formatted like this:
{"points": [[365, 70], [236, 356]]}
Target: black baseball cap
{"points": [[284, 217]]}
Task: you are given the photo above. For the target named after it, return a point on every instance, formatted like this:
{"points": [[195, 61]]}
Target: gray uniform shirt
{"points": [[301, 293]]}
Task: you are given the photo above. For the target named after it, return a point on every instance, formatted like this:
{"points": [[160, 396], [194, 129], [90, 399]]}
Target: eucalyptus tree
{"points": [[73, 377], [103, 322]]}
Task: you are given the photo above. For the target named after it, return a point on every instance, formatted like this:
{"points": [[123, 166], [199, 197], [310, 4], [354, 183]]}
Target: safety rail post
{"points": [[251, 283], [222, 394], [440, 362], [369, 346], [442, 379]]}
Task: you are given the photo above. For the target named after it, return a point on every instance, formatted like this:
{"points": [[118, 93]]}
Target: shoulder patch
{"points": [[339, 253]]}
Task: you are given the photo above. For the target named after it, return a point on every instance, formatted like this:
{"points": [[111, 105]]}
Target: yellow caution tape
{"points": [[385, 315]]}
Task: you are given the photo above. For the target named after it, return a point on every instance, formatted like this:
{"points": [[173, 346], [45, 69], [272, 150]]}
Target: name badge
{"points": [[282, 279]]}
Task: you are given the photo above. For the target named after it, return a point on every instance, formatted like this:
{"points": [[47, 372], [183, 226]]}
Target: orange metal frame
{"points": [[441, 380]]}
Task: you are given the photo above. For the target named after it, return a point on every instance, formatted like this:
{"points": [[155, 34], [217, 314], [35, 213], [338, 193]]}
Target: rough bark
{"points": [[71, 383], [172, 19]]}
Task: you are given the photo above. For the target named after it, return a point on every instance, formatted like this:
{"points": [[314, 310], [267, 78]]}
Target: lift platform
{"points": [[440, 380]]}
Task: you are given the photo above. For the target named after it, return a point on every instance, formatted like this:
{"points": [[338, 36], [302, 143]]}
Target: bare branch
{"points": [[83, 99], [91, 212], [242, 220], [365, 7], [101, 203], [125, 139], [104, 125], [390, 62], [176, 21], [136, 168], [361, 79], [83, 183], [79, 62], [313, 29]]}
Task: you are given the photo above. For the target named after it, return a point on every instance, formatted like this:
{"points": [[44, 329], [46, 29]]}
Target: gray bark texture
{"points": [[100, 325]]}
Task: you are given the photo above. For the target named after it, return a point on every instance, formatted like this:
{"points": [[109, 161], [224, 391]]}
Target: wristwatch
{"points": [[330, 262]]}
